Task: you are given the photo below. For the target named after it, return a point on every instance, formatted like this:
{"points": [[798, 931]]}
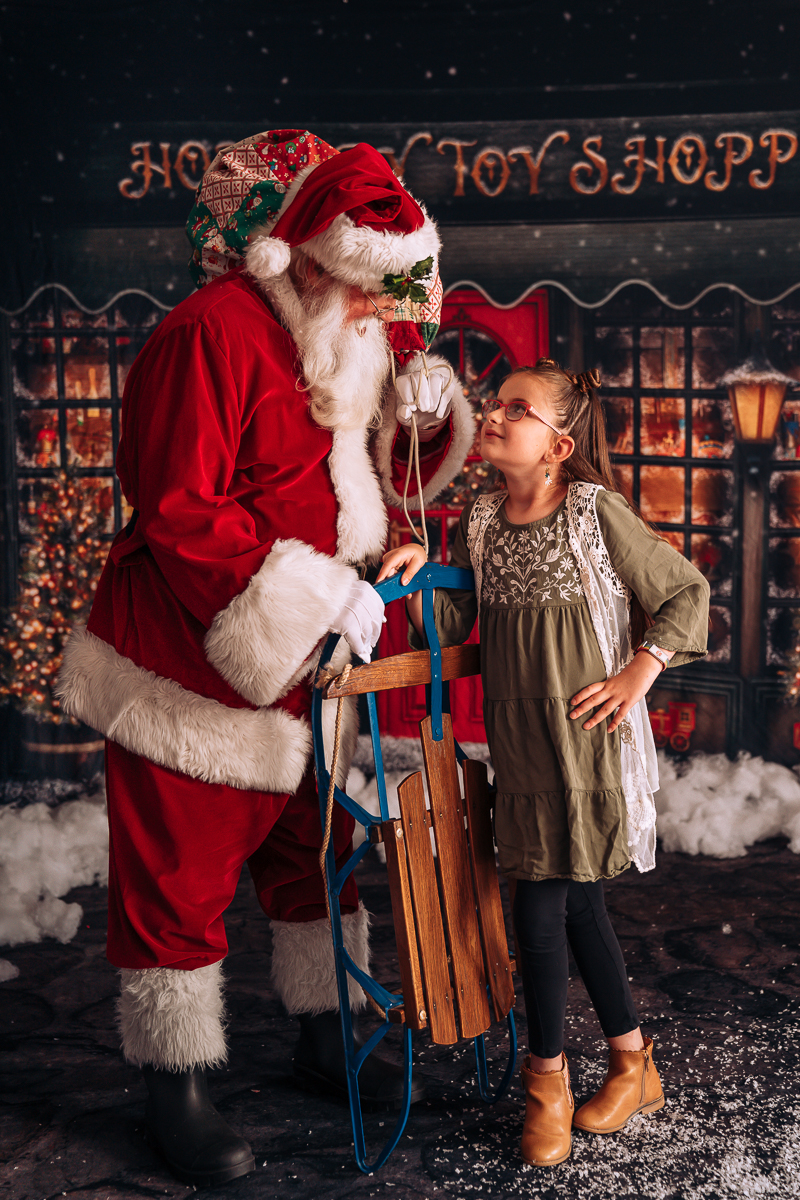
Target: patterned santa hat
{"points": [[286, 188]]}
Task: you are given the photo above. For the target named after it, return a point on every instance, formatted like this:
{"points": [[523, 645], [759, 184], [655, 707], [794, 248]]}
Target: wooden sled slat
{"points": [[454, 867], [405, 934], [487, 888], [437, 988], [404, 670]]}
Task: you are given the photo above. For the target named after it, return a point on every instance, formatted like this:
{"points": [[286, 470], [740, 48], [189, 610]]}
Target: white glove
{"points": [[361, 619], [428, 396]]}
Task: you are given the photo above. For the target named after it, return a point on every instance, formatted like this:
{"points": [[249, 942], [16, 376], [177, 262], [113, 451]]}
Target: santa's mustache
{"points": [[345, 365]]}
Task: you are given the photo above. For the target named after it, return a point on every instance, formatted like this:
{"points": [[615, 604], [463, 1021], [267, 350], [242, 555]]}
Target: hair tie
{"points": [[586, 381]]}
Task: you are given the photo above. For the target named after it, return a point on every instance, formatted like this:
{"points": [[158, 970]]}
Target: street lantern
{"points": [[756, 391]]}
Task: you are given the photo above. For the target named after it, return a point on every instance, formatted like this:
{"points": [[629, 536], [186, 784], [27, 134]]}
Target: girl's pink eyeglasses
{"points": [[516, 410]]}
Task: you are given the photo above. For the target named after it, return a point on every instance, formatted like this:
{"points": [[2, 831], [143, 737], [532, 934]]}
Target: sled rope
{"points": [[326, 837]]}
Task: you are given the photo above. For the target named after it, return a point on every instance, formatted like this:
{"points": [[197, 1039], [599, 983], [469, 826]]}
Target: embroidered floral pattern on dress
{"points": [[527, 568]]}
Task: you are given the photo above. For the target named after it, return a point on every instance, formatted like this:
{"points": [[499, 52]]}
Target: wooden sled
{"points": [[455, 968]]}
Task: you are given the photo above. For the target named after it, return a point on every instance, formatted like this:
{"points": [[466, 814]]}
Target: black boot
{"points": [[319, 1061], [200, 1147]]}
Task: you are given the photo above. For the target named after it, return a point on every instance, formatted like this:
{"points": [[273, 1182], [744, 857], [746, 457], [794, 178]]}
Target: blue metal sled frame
{"points": [[432, 576]]}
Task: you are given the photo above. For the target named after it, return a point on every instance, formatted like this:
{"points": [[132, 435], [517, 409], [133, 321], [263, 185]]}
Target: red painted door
{"points": [[483, 343]]}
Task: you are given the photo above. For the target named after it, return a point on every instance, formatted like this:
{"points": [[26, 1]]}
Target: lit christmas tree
{"points": [[58, 578]]}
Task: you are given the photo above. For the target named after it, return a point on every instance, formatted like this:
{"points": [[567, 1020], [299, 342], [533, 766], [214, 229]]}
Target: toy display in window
{"points": [[663, 429]]}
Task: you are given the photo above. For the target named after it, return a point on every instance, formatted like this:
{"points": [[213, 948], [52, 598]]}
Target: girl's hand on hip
{"points": [[620, 692], [412, 557]]}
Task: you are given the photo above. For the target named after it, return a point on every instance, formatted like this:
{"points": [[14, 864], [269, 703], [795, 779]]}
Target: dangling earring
{"points": [[547, 477]]}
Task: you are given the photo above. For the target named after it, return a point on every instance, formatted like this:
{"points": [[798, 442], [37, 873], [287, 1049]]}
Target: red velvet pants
{"points": [[177, 849]]}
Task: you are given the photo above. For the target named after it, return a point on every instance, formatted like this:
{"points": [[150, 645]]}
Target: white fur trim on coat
{"points": [[259, 642], [463, 437], [303, 971], [155, 717], [361, 522], [172, 1019], [361, 255]]}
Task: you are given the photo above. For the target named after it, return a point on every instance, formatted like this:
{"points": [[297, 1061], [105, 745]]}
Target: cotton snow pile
{"points": [[710, 805], [45, 851]]}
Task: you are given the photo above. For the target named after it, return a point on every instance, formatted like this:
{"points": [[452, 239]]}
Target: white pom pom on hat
{"points": [[268, 257]]}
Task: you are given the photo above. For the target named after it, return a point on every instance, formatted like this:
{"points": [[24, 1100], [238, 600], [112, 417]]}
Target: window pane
{"points": [[787, 443], [664, 425], [784, 509], [37, 438], [623, 473], [712, 354], [661, 357], [674, 537], [712, 496], [103, 489], [719, 634], [76, 318], [662, 492], [713, 557], [619, 424], [33, 367], [86, 373], [614, 354], [782, 635], [784, 567], [89, 437], [712, 428]]}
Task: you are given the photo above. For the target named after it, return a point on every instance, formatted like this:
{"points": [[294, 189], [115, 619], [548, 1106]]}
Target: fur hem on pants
{"points": [[171, 1019], [303, 971]]}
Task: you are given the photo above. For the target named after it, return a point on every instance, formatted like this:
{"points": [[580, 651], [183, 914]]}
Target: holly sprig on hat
{"points": [[408, 286]]}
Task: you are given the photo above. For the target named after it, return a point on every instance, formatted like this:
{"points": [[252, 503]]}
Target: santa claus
{"points": [[261, 437]]}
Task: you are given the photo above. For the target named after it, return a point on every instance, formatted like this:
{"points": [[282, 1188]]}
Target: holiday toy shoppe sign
{"points": [[495, 172]]}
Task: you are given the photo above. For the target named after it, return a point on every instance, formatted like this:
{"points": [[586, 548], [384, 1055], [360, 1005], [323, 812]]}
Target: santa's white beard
{"points": [[345, 366]]}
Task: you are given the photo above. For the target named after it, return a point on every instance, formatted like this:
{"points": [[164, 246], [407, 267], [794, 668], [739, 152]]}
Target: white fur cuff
{"points": [[261, 640], [172, 1019], [158, 719], [303, 972]]}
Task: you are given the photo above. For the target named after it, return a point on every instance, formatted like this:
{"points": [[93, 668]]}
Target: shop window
{"points": [[67, 373], [671, 434]]}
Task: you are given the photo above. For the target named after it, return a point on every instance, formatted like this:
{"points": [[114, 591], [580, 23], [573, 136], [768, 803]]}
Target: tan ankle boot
{"points": [[631, 1086], [547, 1136]]}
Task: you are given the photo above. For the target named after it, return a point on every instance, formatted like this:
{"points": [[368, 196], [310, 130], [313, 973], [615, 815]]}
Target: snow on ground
{"points": [[49, 844], [54, 836], [710, 805]]}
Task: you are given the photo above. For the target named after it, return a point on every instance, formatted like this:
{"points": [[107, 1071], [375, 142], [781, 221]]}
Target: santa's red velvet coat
{"points": [[249, 518]]}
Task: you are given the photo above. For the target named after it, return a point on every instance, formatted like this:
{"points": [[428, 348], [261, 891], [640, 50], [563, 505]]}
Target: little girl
{"points": [[565, 571]]}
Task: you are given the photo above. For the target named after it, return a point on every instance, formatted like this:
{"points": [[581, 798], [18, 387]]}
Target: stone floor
{"points": [[712, 950]]}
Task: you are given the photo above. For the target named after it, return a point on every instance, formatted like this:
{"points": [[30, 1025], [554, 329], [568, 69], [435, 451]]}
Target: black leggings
{"points": [[547, 914]]}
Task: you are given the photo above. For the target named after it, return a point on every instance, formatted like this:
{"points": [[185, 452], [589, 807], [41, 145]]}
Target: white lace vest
{"points": [[609, 602]]}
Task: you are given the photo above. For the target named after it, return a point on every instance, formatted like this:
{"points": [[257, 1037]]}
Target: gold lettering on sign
{"points": [[188, 155], [771, 138], [732, 159], [145, 167], [399, 166], [534, 165], [491, 158], [591, 148], [460, 166], [640, 163], [686, 146]]}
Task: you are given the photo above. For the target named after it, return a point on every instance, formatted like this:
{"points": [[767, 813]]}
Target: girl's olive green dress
{"points": [[560, 809]]}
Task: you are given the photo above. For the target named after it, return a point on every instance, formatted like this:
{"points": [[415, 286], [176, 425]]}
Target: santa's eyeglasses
{"points": [[515, 410], [383, 314]]}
